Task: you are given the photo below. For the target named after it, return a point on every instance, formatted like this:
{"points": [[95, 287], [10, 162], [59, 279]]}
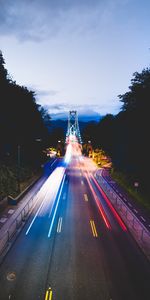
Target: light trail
{"points": [[110, 205], [55, 211], [48, 193], [34, 218], [98, 204], [68, 154]]}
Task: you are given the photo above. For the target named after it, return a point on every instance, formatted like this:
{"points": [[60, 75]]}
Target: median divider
{"points": [[136, 228]]}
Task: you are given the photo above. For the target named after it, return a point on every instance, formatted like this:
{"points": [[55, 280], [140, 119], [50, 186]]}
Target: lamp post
{"points": [[136, 185]]}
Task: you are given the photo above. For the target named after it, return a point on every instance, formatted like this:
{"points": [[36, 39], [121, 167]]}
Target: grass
{"points": [[123, 181], [9, 181]]}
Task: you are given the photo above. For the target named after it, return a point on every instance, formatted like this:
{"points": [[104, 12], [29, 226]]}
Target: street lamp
{"points": [[136, 185]]}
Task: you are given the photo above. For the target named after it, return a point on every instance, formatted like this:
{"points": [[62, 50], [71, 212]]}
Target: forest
{"points": [[23, 133], [125, 136]]}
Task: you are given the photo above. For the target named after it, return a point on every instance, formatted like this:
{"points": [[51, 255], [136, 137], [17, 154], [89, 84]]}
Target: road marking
{"points": [[64, 196], [125, 199], [51, 225], [82, 182], [53, 162], [11, 211], [86, 197], [48, 295], [135, 210], [93, 227], [3, 220], [130, 204], [142, 218], [59, 226]]}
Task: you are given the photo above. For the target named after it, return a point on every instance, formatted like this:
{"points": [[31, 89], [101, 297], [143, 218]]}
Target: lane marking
{"points": [[135, 210], [52, 222], [59, 226], [93, 227], [64, 196], [11, 211], [129, 204], [86, 197], [82, 182], [142, 218], [96, 234], [48, 295], [53, 162], [3, 219]]}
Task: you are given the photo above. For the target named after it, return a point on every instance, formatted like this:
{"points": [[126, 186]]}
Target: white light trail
{"points": [[55, 211]]}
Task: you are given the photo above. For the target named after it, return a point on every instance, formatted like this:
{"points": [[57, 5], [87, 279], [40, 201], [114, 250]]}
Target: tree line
{"points": [[23, 130], [22, 120], [125, 136]]}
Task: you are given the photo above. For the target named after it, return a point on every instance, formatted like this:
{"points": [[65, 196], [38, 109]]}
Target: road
{"points": [[74, 244]]}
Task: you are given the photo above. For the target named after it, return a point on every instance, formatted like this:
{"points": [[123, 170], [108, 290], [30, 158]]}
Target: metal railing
{"points": [[137, 229], [17, 221]]}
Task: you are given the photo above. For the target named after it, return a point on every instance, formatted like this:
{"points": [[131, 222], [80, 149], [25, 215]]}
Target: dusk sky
{"points": [[76, 54]]}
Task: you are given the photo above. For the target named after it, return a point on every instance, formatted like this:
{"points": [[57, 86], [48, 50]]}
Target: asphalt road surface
{"points": [[74, 247]]}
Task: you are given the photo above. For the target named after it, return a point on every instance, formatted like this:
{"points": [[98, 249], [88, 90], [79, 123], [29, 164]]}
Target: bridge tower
{"points": [[73, 126]]}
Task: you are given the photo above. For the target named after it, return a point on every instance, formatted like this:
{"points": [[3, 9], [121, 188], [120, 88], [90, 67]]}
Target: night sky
{"points": [[75, 54]]}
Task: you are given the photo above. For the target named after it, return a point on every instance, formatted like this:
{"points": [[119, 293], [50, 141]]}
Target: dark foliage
{"points": [[22, 121], [125, 137]]}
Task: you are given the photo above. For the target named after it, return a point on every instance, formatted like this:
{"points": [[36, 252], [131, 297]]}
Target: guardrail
{"points": [[137, 229], [16, 222], [18, 218]]}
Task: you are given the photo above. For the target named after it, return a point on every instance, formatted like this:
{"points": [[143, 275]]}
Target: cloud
{"points": [[66, 107], [61, 110], [46, 93], [37, 19], [40, 93]]}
